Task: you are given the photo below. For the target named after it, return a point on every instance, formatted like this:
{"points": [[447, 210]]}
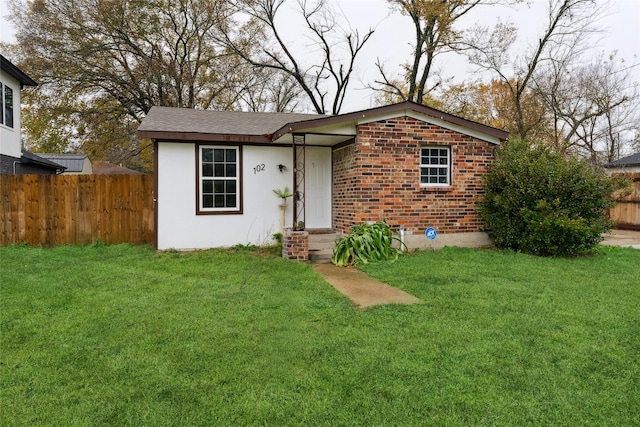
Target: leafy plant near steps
{"points": [[366, 243]]}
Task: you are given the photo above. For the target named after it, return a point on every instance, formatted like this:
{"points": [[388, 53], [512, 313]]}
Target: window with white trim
{"points": [[435, 166], [219, 180]]}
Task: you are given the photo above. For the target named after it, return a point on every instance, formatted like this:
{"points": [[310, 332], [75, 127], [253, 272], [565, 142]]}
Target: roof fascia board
{"points": [[435, 121], [15, 72], [208, 137], [430, 115]]}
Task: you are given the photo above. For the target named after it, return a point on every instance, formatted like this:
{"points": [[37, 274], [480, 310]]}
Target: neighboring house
{"points": [[13, 159], [408, 164], [75, 164], [629, 164]]}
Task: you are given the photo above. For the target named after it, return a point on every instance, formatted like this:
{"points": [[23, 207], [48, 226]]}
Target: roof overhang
{"points": [[337, 129], [165, 136], [16, 73], [334, 130], [28, 157]]}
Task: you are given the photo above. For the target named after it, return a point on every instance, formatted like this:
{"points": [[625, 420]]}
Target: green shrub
{"points": [[366, 243], [541, 203]]}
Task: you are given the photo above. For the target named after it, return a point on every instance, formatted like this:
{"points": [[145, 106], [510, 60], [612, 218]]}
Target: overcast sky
{"points": [[393, 35]]}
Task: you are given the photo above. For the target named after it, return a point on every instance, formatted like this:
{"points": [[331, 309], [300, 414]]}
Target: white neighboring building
{"points": [[13, 159], [629, 164]]}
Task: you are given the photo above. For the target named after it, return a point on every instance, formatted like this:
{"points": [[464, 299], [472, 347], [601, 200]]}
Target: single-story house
{"points": [[416, 167], [75, 164], [629, 164]]}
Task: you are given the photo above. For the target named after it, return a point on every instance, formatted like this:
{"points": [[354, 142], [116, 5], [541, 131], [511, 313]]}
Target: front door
{"points": [[318, 187]]}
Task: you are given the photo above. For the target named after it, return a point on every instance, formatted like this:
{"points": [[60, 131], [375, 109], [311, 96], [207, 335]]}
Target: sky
{"points": [[393, 34]]}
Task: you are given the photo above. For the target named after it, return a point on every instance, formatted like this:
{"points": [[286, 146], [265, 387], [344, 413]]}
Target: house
{"points": [[629, 164], [75, 164], [13, 158], [415, 167]]}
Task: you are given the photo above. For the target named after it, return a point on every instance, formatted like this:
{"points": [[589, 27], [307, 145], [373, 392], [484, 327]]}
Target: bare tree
{"points": [[325, 81], [592, 105], [587, 103], [435, 31], [569, 23]]}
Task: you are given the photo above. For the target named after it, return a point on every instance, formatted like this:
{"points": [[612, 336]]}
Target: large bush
{"points": [[539, 202]]}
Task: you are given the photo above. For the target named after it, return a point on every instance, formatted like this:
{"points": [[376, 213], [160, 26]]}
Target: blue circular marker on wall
{"points": [[430, 233]]}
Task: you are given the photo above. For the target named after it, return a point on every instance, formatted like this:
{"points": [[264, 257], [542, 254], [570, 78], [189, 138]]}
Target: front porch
{"points": [[321, 244]]}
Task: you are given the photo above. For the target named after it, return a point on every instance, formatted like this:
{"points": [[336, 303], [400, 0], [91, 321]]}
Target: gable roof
{"points": [[394, 110], [28, 157], [72, 162], [16, 73], [180, 124], [625, 162]]}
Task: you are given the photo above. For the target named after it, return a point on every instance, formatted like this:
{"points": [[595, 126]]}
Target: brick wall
{"points": [[378, 177], [295, 245]]}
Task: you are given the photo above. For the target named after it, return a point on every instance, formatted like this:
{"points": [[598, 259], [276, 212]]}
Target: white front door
{"points": [[318, 187]]}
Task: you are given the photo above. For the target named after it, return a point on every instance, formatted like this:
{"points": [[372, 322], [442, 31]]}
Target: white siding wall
{"points": [[628, 169], [10, 143], [180, 228]]}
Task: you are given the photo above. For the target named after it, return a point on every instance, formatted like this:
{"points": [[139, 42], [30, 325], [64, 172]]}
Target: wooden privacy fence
{"points": [[51, 210], [626, 212]]}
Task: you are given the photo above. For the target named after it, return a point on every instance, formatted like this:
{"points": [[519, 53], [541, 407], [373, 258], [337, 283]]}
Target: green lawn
{"points": [[120, 335]]}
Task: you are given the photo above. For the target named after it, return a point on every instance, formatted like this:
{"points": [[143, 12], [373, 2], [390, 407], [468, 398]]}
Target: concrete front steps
{"points": [[321, 244]]}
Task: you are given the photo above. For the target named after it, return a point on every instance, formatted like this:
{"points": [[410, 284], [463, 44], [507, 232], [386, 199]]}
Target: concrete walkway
{"points": [[624, 238], [363, 290]]}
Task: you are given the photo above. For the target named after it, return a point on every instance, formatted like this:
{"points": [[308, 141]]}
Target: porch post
{"points": [[298, 181]]}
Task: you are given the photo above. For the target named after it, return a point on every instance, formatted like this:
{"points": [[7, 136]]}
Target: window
{"points": [[8, 106], [1, 104], [219, 180], [435, 166]]}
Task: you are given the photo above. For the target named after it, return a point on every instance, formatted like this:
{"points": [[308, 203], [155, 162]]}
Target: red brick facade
{"points": [[295, 245], [377, 177]]}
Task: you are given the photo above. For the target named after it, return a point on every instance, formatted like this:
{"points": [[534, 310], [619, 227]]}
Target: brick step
{"points": [[323, 255], [322, 241]]}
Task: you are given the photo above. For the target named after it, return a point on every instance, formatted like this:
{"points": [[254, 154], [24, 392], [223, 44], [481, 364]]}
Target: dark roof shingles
{"points": [[632, 160], [172, 122], [168, 119]]}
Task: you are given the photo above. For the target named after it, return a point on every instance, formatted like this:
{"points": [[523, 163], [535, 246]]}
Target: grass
{"points": [[120, 335]]}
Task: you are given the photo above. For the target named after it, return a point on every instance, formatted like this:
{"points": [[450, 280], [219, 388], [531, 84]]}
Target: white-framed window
{"points": [[435, 166], [219, 179]]}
